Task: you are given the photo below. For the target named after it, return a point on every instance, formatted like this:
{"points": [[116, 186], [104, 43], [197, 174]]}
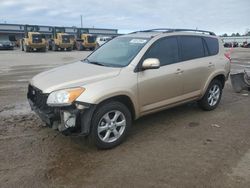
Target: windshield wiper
{"points": [[94, 62], [85, 60]]}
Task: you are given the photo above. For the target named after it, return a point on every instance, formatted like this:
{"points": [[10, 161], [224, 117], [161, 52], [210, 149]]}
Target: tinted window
{"points": [[205, 48], [191, 47], [166, 50], [213, 45]]}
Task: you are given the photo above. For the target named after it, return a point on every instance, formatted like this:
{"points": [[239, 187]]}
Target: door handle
{"points": [[179, 71], [210, 64]]}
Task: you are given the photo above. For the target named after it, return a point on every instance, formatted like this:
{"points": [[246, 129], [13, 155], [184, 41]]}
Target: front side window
{"points": [[191, 47], [166, 50]]}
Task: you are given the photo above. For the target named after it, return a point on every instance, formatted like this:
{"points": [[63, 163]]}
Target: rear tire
{"points": [[21, 45], [212, 97], [110, 125], [97, 46], [54, 47]]}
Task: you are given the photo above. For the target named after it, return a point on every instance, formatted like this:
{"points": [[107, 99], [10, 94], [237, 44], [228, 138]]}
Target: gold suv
{"points": [[128, 77]]}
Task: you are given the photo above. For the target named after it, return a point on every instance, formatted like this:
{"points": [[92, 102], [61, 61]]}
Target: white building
{"points": [[240, 39]]}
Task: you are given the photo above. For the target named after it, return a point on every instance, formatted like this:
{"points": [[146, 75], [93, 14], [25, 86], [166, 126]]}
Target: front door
{"points": [[160, 87]]}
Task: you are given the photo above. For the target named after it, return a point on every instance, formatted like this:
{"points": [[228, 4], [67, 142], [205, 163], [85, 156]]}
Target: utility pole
{"points": [[81, 21]]}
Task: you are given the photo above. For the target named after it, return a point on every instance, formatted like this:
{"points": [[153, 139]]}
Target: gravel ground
{"points": [[179, 147]]}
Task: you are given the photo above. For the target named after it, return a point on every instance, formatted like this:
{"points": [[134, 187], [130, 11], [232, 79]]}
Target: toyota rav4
{"points": [[128, 77]]}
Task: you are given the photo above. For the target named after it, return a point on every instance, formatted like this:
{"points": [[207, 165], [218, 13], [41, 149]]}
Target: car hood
{"points": [[72, 75]]}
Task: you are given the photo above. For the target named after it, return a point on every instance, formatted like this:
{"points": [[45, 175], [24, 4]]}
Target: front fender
{"points": [[104, 94]]}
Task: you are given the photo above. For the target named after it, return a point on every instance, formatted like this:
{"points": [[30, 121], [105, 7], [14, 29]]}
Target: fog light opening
{"points": [[69, 119]]}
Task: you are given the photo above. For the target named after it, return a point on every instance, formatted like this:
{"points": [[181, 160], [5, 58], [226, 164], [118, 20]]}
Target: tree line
{"points": [[236, 34]]}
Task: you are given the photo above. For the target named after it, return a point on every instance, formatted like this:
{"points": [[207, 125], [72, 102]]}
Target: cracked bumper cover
{"points": [[70, 119]]}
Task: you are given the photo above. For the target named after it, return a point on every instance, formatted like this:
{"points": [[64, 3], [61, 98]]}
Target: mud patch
{"points": [[242, 170], [193, 124]]}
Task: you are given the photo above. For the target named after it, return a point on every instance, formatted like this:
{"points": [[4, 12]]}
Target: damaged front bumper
{"points": [[73, 119]]}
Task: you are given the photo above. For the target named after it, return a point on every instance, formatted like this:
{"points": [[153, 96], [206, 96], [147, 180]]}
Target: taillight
{"points": [[228, 55]]}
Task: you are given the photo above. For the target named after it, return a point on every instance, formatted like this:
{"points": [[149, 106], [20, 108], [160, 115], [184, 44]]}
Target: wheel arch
{"points": [[219, 76], [124, 99], [86, 118]]}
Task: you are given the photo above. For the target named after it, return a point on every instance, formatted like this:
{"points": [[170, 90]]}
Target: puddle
{"points": [[13, 110], [193, 124]]}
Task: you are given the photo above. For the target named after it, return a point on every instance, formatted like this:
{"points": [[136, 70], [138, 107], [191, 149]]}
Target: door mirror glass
{"points": [[151, 63]]}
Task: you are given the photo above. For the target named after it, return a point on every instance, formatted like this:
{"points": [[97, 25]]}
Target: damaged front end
{"points": [[72, 119]]}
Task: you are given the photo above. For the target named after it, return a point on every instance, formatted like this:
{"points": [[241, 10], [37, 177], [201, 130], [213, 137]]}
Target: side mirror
{"points": [[151, 63]]}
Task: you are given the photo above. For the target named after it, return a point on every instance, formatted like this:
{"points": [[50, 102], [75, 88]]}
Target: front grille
{"points": [[36, 40], [38, 103], [39, 99]]}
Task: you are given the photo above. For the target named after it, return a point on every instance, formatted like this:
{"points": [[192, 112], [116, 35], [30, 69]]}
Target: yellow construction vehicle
{"points": [[85, 40], [33, 40], [61, 40]]}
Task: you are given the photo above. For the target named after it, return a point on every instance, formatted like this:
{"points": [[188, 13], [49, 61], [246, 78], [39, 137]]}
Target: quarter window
{"points": [[166, 50], [212, 44]]}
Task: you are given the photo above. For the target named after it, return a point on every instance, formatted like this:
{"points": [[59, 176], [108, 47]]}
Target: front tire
{"points": [[26, 48], [110, 125], [69, 49], [212, 97], [43, 49]]}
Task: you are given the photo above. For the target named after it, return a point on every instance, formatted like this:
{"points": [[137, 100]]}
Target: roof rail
{"points": [[152, 30], [170, 30], [192, 30]]}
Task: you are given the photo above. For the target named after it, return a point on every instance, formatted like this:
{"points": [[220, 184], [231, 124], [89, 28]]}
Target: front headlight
{"points": [[1, 44], [64, 97]]}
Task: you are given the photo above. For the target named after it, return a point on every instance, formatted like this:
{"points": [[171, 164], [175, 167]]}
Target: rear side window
{"points": [[166, 50], [191, 47], [212, 44]]}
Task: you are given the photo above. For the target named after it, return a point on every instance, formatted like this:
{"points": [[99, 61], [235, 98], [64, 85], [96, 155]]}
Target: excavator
{"points": [[85, 40], [33, 40], [61, 40]]}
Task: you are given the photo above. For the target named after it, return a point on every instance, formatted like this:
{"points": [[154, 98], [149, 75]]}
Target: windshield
{"points": [[65, 38], [37, 38], [91, 39], [118, 52]]}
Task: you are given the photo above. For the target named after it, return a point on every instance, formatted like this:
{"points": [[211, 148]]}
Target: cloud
{"points": [[219, 16]]}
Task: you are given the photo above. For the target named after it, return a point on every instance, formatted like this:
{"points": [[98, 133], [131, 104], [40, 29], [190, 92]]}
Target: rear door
{"points": [[196, 64]]}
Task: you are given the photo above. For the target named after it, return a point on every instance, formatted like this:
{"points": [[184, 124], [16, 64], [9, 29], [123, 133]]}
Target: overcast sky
{"points": [[219, 16]]}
